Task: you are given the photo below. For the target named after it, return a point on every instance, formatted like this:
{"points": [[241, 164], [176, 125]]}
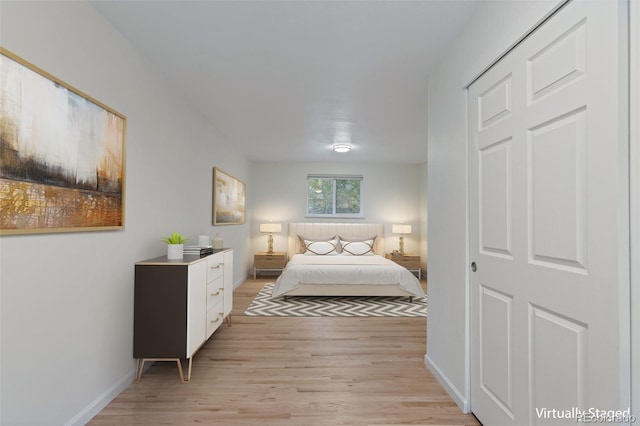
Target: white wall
{"points": [[391, 194], [67, 299], [634, 115], [495, 27], [424, 217]]}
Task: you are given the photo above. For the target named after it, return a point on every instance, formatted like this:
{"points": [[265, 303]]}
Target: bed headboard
{"points": [[356, 230]]}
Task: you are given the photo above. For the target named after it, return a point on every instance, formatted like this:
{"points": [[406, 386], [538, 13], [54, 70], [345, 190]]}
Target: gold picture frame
{"points": [[229, 197], [62, 155]]}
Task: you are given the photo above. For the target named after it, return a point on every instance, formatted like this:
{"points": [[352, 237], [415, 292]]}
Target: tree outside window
{"points": [[334, 196]]}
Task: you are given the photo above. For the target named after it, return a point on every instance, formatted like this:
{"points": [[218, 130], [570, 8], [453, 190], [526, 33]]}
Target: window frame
{"points": [[335, 178]]}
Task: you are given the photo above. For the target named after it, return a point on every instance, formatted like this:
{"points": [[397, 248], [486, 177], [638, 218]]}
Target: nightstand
{"points": [[263, 261], [409, 261]]}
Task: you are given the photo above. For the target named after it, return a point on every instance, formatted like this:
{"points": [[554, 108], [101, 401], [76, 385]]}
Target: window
{"points": [[334, 196]]}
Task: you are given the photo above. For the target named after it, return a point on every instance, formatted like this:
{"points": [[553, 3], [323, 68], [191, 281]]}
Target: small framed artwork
{"points": [[62, 155], [229, 195]]}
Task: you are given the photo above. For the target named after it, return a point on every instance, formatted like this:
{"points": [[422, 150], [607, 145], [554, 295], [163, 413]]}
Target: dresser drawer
{"points": [[215, 292], [215, 267], [215, 316]]}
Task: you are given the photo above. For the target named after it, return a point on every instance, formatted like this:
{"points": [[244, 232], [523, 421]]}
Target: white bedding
{"points": [[344, 270]]}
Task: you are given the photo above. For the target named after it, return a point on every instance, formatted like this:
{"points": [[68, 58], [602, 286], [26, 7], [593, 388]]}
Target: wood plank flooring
{"points": [[295, 371]]}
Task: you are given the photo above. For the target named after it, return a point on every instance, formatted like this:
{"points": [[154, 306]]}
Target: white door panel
{"points": [[495, 199], [556, 161], [558, 357], [496, 347], [544, 209]]}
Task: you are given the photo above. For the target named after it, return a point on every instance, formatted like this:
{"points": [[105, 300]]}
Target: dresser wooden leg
{"points": [[179, 362], [139, 369]]}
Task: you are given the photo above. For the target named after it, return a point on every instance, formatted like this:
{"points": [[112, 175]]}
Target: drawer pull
{"points": [[217, 267], [215, 294], [221, 314], [215, 320], [221, 289]]}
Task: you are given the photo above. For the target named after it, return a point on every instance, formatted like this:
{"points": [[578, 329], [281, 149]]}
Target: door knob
{"points": [[474, 267]]}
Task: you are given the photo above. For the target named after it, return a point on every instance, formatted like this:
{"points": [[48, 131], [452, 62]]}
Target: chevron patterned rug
{"points": [[324, 306]]}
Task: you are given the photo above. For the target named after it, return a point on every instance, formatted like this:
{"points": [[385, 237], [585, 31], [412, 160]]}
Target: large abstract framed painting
{"points": [[228, 199], [62, 155]]}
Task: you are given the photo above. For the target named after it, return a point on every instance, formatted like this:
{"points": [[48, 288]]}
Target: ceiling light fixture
{"points": [[342, 136], [342, 147]]}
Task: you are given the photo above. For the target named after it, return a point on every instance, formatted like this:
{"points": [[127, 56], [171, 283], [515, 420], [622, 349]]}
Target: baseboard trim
{"points": [[452, 390], [240, 281], [95, 406]]}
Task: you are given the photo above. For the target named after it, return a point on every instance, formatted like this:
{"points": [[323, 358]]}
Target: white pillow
{"points": [[321, 248], [357, 248], [303, 245]]}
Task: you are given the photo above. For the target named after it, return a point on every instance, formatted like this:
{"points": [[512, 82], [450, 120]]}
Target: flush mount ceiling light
{"points": [[342, 136], [342, 147]]}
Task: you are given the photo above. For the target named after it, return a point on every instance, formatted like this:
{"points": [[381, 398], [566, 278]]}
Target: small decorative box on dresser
{"points": [[409, 261], [264, 261], [178, 304]]}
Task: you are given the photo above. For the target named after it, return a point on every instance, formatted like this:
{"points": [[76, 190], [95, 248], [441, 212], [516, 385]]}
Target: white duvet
{"points": [[344, 269]]}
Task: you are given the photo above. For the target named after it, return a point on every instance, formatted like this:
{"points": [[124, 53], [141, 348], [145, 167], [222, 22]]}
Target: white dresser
{"points": [[178, 305]]}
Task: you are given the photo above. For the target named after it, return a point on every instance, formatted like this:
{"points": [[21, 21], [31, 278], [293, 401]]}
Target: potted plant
{"points": [[175, 245]]}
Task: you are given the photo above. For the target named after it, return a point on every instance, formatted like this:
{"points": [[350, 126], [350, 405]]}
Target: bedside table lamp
{"points": [[401, 229], [270, 228]]}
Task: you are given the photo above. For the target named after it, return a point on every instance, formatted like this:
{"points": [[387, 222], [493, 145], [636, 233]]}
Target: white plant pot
{"points": [[175, 251]]}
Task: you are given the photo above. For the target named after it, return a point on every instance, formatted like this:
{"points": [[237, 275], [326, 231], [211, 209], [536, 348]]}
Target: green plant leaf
{"points": [[175, 238]]}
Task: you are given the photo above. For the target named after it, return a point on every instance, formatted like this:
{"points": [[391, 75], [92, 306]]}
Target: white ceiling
{"points": [[281, 78]]}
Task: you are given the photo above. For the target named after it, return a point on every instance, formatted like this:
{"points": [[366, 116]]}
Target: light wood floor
{"points": [[295, 371]]}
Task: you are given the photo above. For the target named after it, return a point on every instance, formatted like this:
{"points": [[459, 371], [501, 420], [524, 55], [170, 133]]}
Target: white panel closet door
{"points": [[544, 223]]}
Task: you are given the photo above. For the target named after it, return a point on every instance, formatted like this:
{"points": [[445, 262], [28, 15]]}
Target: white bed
{"points": [[343, 275]]}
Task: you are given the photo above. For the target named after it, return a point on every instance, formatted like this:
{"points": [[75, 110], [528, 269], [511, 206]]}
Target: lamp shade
{"points": [[401, 229], [270, 227]]}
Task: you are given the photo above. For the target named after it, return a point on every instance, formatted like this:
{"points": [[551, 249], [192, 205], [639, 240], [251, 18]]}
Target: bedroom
{"points": [[66, 298]]}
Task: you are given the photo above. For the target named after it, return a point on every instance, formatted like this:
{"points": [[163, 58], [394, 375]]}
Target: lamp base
{"points": [[270, 244]]}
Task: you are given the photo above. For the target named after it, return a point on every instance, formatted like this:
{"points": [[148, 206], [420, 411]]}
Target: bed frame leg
{"points": [[410, 299]]}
